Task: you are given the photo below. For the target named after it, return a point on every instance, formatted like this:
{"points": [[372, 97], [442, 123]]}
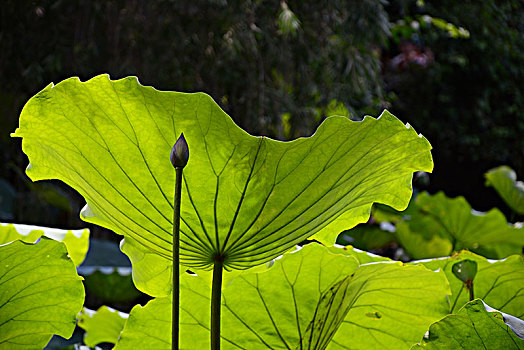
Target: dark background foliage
{"points": [[278, 68], [468, 102]]}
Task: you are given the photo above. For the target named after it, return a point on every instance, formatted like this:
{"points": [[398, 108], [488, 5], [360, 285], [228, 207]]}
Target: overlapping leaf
{"points": [[260, 310], [40, 294], [246, 198], [424, 237], [76, 241], [471, 328], [441, 225], [499, 283], [277, 309], [331, 310], [102, 326], [504, 180], [391, 306], [149, 327]]}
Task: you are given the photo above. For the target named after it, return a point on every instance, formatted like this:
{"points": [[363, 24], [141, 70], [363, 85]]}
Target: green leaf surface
{"points": [[504, 180], [247, 198], [423, 237], [259, 310], [102, 326], [499, 283], [149, 327], [392, 306], [285, 296], [40, 294], [76, 241], [152, 273], [273, 309], [471, 328], [329, 314], [439, 220]]}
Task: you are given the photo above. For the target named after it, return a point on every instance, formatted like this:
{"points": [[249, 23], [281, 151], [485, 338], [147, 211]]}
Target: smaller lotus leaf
{"points": [[471, 328], [449, 224], [102, 326], [465, 270], [40, 294], [76, 241], [498, 283], [504, 180]]}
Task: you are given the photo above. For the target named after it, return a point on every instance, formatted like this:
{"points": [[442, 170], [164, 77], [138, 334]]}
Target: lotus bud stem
{"points": [[179, 158]]}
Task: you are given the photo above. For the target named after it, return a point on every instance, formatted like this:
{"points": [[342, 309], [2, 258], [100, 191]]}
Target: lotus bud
{"points": [[180, 152]]}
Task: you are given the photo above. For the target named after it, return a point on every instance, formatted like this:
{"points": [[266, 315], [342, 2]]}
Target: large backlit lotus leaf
{"points": [[40, 294], [504, 180], [76, 241], [471, 328], [276, 309], [499, 283], [438, 219], [246, 198]]}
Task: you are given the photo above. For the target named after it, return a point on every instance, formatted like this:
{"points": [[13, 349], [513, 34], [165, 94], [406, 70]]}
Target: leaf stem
{"points": [[216, 303], [469, 286], [176, 263]]}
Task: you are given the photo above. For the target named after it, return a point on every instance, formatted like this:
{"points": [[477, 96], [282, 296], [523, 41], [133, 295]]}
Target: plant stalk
{"points": [[469, 285], [176, 263], [216, 303]]}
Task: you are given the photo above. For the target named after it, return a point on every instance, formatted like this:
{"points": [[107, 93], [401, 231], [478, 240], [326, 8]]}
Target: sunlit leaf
{"points": [[498, 283], [152, 273], [471, 328], [391, 306], [285, 296], [504, 180], [102, 326], [40, 294], [149, 327], [329, 314], [76, 241], [246, 198], [277, 309]]}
